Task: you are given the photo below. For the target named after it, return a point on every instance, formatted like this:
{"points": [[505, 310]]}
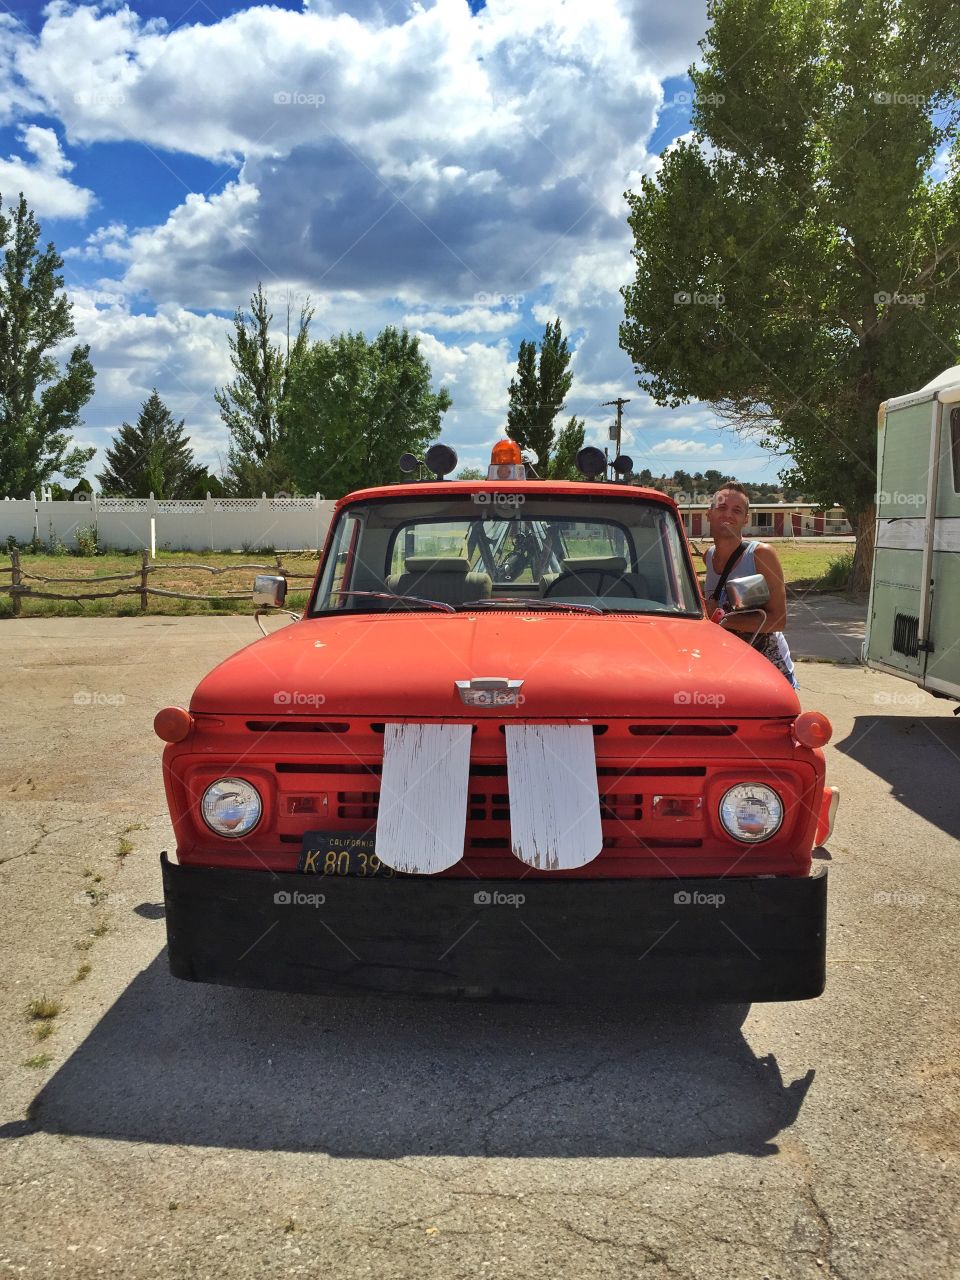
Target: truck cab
{"points": [[504, 752]]}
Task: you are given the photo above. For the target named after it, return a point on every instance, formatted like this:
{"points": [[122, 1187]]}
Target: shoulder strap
{"points": [[722, 580]]}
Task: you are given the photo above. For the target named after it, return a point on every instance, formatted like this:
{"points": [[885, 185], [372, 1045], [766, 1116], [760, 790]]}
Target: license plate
{"points": [[341, 853]]}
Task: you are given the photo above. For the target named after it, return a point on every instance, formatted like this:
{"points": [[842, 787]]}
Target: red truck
{"points": [[503, 752]]}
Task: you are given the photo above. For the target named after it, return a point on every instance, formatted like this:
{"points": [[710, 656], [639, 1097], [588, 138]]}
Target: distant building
{"points": [[774, 520]]}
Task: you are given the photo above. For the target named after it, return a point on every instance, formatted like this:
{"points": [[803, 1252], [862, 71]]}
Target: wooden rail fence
{"points": [[18, 576]]}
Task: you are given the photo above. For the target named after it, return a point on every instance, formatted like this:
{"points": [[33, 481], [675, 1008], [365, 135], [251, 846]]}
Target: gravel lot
{"points": [[193, 1131]]}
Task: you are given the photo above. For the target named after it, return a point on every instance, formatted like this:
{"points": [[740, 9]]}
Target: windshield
{"points": [[556, 552]]}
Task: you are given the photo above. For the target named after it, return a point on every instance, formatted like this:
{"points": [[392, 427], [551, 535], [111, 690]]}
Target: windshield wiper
{"points": [[535, 603], [392, 595]]}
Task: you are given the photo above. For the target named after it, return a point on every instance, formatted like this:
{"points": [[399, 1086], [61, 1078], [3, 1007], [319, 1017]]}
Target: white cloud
{"points": [[399, 163], [675, 448], [185, 356], [42, 179], [469, 320]]}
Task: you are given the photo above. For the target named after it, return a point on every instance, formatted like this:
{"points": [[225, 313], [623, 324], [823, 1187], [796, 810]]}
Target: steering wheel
{"points": [[583, 577]]}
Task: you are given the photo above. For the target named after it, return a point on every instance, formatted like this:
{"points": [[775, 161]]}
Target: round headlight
{"points": [[231, 807], [751, 812]]}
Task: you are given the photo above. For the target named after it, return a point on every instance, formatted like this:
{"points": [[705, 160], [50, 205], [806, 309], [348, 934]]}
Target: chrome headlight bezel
{"points": [[254, 799], [762, 792]]}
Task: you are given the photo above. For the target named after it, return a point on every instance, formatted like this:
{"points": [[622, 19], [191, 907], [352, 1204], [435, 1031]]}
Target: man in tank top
{"points": [[728, 515]]}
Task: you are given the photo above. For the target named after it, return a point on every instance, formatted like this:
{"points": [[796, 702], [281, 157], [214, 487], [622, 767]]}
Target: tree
{"points": [[470, 473], [40, 400], [538, 392], [352, 407], [796, 260], [206, 482], [152, 457], [251, 405], [563, 464]]}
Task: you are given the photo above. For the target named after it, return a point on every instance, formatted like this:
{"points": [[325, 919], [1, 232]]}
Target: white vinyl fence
{"points": [[202, 524]]}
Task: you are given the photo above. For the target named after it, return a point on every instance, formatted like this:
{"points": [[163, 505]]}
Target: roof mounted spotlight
{"points": [[440, 459], [591, 462], [623, 465], [408, 463]]}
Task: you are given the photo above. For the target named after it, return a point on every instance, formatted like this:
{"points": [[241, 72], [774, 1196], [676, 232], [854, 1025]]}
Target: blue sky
{"points": [[456, 167]]}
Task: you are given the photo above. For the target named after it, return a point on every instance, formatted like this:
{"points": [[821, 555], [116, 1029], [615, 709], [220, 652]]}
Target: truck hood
{"points": [[572, 665]]}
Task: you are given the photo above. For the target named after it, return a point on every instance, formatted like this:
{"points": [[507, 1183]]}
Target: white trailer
{"points": [[913, 620]]}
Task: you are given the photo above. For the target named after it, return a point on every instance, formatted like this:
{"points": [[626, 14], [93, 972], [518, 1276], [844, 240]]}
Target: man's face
{"points": [[729, 514]]}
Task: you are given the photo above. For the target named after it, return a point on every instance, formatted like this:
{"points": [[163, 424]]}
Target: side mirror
{"points": [[750, 592], [269, 590]]}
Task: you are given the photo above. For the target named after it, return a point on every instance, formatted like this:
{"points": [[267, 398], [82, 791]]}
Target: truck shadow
{"points": [[172, 1062], [916, 755]]}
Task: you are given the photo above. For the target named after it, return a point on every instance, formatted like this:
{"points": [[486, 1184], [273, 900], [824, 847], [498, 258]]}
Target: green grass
{"points": [[806, 563], [43, 1008], [84, 572], [39, 1060]]}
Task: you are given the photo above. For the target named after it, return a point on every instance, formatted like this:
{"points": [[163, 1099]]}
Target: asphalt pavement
{"points": [[191, 1131]]}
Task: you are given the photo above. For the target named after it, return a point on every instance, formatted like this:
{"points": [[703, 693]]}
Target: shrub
{"points": [[838, 573], [87, 541]]}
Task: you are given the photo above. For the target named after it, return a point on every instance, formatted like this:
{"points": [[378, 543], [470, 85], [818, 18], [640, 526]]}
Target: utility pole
{"points": [[619, 402]]}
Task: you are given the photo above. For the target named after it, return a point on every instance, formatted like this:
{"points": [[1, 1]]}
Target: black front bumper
{"points": [[565, 941]]}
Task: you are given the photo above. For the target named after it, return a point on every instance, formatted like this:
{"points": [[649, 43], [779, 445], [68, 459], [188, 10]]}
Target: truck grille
{"points": [[328, 778]]}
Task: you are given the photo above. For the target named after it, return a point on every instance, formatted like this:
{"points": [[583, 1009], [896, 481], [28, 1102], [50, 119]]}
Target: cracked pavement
{"points": [[196, 1131]]}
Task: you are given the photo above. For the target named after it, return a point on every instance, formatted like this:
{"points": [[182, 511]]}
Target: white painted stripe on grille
{"points": [[422, 816], [554, 798]]}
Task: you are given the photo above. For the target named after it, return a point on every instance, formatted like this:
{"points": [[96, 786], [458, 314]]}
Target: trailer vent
{"points": [[906, 634]]}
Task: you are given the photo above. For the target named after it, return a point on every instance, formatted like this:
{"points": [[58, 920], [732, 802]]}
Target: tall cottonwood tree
{"points": [[538, 392], [40, 398], [797, 260], [252, 404]]}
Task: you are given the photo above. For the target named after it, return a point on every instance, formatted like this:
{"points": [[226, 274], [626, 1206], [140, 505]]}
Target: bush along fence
{"points": [[18, 588]]}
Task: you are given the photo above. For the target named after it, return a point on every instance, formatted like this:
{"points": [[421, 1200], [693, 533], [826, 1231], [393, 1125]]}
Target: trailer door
{"points": [[943, 656], [896, 593]]}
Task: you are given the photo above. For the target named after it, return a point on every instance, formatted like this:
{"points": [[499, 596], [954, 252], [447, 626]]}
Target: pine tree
{"points": [[152, 457]]}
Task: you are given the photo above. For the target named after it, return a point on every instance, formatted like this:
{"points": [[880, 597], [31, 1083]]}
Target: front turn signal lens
{"points": [[172, 724], [812, 729]]}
